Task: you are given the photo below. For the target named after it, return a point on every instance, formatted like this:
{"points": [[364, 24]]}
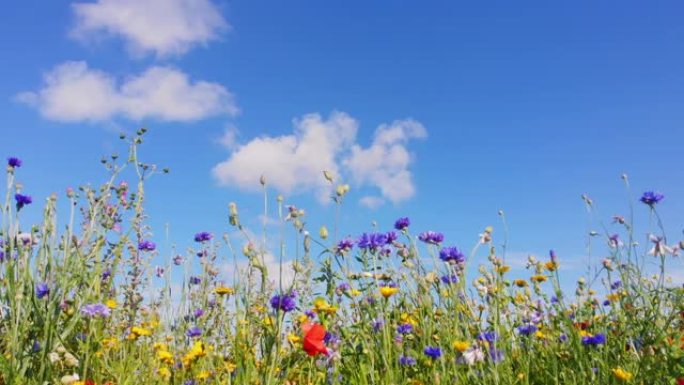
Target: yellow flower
{"points": [[203, 375], [110, 342], [503, 269], [539, 334], [355, 292], [322, 306], [137, 331], [164, 372], [461, 346], [224, 290], [111, 303], [520, 283], [407, 318], [551, 265], [539, 278], [230, 366], [293, 338], [622, 374], [612, 297], [165, 357], [387, 291]]}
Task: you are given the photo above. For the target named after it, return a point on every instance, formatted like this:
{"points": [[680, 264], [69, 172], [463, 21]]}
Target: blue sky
{"points": [[513, 106]]}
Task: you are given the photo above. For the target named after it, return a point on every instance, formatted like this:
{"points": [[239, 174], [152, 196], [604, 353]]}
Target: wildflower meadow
{"points": [[83, 299]]}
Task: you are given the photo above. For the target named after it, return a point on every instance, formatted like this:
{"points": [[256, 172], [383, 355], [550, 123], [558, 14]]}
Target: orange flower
{"points": [[314, 334]]}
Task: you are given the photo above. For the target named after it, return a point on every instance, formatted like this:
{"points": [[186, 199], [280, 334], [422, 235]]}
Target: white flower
{"points": [[473, 356]]}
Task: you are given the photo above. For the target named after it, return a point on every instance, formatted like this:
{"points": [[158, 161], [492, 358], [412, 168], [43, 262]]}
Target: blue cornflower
{"points": [[526, 330], [22, 200], [198, 312], [431, 237], [42, 290], [598, 339], [449, 279], [433, 352], [95, 310], [402, 224], [487, 336], [372, 241], [377, 324], [283, 302], [651, 198], [615, 285], [194, 332], [203, 237], [195, 280], [14, 162], [146, 245], [407, 360], [404, 328], [344, 246], [452, 255]]}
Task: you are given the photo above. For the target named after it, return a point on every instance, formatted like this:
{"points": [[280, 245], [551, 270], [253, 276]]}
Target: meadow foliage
{"points": [[91, 300]]}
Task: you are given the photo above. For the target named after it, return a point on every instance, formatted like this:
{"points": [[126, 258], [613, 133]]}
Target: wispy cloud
{"points": [[294, 163], [162, 27], [73, 92]]}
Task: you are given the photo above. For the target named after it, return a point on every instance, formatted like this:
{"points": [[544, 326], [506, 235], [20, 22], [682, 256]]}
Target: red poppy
{"points": [[680, 381], [582, 325], [313, 339], [89, 382]]}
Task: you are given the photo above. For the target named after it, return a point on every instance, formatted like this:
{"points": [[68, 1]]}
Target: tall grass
{"points": [[82, 303]]}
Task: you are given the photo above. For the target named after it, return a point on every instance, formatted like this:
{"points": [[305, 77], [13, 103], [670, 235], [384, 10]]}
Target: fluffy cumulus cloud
{"points": [[294, 163], [162, 27], [74, 92], [385, 163]]}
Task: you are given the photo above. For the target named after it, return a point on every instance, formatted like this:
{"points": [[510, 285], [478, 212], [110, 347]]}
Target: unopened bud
{"points": [[323, 232], [328, 176]]}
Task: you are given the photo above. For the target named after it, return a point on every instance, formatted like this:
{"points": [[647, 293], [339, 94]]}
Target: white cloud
{"points": [[372, 202], [385, 164], [73, 92], [294, 163], [164, 27], [291, 163]]}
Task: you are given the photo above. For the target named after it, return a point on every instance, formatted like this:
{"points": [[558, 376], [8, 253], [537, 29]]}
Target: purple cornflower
{"points": [[616, 285], [344, 246], [402, 224], [283, 302], [487, 336], [146, 245], [378, 323], [449, 279], [606, 303], [598, 339], [431, 237], [526, 330], [194, 332], [195, 280], [372, 241], [22, 200], [190, 382], [651, 198], [391, 237], [614, 240], [177, 260], [93, 310], [404, 328], [42, 290], [433, 352], [452, 255], [198, 312], [202, 253], [14, 162], [203, 237], [563, 338], [35, 347], [159, 271], [406, 360]]}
